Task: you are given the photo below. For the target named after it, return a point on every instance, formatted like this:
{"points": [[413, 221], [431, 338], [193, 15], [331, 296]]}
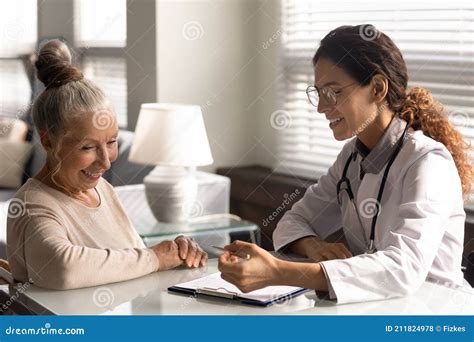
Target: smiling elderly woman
{"points": [[74, 232]]}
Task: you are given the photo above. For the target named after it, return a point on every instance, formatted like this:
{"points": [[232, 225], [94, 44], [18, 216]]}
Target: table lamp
{"points": [[172, 137]]}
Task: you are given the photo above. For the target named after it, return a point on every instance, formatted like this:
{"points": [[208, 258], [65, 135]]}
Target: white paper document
{"points": [[214, 283]]}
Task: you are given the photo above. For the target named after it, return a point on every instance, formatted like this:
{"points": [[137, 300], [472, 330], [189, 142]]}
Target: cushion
{"points": [[14, 155], [39, 156], [13, 129]]}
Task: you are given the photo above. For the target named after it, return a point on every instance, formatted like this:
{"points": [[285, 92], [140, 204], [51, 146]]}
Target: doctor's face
{"points": [[347, 105]]}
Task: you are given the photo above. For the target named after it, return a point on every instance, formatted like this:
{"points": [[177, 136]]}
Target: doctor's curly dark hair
{"points": [[377, 54]]}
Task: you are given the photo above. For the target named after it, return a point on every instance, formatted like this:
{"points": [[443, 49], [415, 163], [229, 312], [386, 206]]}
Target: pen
{"points": [[239, 254]]}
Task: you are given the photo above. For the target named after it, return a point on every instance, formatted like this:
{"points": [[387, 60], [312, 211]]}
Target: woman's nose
{"points": [[323, 105], [103, 159]]}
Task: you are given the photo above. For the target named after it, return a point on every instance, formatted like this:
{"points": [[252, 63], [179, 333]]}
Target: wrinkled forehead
{"points": [[99, 125], [328, 73]]}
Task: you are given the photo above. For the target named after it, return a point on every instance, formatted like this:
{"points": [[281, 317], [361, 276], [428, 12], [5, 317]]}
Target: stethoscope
{"points": [[370, 245]]}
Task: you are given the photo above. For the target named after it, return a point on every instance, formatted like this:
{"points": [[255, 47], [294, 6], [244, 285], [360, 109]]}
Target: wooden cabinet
{"points": [[262, 196]]}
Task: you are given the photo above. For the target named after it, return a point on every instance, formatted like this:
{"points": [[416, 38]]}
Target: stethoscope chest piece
{"points": [[368, 250]]}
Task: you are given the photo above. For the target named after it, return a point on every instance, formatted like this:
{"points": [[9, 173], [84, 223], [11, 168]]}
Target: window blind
{"points": [[18, 27], [101, 35], [436, 40], [110, 74], [15, 90]]}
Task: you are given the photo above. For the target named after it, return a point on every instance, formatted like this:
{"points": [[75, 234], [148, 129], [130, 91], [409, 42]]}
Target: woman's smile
{"points": [[333, 123], [92, 176]]}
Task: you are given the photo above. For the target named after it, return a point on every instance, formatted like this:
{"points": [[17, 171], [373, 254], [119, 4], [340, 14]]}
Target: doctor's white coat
{"points": [[420, 229]]}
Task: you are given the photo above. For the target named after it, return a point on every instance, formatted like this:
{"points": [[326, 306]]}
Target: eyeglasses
{"points": [[329, 94]]}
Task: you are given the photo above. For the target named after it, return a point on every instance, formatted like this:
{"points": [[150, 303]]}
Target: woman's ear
{"points": [[45, 140], [380, 88]]}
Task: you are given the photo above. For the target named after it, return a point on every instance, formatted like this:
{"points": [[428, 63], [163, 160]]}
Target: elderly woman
{"points": [[74, 232]]}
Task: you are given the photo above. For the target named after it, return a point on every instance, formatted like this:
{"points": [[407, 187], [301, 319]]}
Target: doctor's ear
{"points": [[380, 87]]}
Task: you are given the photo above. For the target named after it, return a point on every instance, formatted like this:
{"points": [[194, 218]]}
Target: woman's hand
{"points": [[319, 250], [168, 256], [190, 252], [181, 251], [259, 271]]}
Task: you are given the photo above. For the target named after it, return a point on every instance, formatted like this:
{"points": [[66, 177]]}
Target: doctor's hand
{"points": [[259, 271], [318, 250], [190, 252]]}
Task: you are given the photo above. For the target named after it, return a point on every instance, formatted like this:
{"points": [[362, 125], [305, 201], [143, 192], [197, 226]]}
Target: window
{"points": [[110, 73], [100, 38], [18, 25], [15, 89], [436, 40], [100, 23]]}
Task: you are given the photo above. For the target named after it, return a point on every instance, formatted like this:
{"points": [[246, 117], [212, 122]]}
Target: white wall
{"points": [[207, 56], [268, 80], [55, 19], [215, 53], [141, 55], [229, 69]]}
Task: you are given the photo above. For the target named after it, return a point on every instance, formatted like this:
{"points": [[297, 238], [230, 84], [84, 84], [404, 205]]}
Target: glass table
{"points": [[206, 230]]}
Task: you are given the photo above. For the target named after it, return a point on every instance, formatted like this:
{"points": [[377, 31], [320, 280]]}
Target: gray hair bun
{"points": [[54, 66]]}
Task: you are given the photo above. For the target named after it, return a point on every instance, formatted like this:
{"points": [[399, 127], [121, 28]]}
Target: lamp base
{"points": [[171, 192]]}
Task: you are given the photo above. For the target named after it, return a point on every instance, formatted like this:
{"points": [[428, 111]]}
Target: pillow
{"points": [[13, 156], [39, 155], [13, 129]]}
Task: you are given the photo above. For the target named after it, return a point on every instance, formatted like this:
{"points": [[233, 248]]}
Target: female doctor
{"points": [[396, 188]]}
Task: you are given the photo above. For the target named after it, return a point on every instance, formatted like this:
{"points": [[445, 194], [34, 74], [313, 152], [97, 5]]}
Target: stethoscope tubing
{"points": [[370, 245]]}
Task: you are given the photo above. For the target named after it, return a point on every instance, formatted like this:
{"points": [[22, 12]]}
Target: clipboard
{"points": [[214, 286]]}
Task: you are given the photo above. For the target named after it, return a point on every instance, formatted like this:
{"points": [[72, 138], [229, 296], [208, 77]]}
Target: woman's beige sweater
{"points": [[56, 242]]}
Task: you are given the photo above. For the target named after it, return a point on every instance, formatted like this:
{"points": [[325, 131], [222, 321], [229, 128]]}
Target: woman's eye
{"points": [[87, 148], [112, 142]]}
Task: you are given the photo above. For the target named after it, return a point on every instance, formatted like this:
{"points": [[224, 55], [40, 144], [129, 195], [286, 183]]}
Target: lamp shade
{"points": [[170, 134]]}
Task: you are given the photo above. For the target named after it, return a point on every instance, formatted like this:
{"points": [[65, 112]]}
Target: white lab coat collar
{"points": [[375, 160]]}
